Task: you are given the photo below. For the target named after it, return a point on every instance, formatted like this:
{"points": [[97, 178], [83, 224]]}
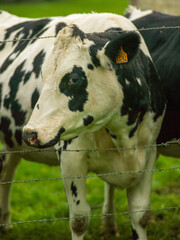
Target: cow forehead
{"points": [[64, 59]]}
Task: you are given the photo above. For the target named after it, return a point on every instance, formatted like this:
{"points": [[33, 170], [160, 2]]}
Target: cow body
{"points": [[97, 84], [164, 46], [20, 86]]}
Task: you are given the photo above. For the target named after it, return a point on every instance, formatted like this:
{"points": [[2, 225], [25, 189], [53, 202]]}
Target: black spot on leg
{"points": [[88, 120], [134, 235], [74, 189], [78, 202], [37, 106]]}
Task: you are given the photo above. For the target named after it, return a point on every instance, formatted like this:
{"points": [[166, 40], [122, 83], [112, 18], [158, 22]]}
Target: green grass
{"points": [[46, 199], [62, 8]]}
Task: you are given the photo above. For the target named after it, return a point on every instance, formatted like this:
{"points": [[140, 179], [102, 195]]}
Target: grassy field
{"points": [[46, 199], [62, 8]]}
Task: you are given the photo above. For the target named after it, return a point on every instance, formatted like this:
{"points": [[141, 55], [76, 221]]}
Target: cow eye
{"points": [[74, 79]]}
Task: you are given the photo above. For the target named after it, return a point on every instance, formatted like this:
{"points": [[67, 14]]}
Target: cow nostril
{"points": [[30, 137]]}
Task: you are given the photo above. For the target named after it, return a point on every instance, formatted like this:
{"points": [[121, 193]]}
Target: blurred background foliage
{"points": [[46, 8]]}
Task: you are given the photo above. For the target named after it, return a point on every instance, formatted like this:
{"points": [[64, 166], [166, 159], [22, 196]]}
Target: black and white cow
{"points": [[164, 46], [20, 86], [92, 82]]}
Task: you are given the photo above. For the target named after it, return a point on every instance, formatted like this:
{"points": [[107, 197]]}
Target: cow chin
{"points": [[52, 142]]}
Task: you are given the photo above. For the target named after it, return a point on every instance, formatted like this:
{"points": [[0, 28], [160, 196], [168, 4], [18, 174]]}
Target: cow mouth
{"points": [[35, 142]]}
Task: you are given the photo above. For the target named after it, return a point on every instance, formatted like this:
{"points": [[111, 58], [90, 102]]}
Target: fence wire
{"points": [[161, 28], [91, 176], [95, 175], [92, 215], [166, 144]]}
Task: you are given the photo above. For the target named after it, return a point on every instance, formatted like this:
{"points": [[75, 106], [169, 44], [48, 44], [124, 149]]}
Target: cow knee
{"points": [[79, 225], [146, 219]]}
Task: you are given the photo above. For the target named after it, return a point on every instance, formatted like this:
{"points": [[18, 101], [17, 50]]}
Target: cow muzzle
{"points": [[31, 137]]}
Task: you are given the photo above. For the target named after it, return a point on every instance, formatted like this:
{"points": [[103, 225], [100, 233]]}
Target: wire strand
{"points": [[54, 36], [91, 176], [93, 215], [166, 144]]}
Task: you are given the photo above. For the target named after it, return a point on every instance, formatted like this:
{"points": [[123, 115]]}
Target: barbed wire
{"points": [[54, 36], [166, 144], [91, 176], [92, 215]]}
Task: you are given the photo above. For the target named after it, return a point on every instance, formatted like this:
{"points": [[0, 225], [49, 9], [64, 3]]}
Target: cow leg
{"points": [[72, 164], [139, 198], [108, 222], [9, 164]]}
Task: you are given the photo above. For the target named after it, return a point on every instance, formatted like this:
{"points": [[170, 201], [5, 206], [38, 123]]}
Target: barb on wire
{"points": [[54, 36], [90, 176], [93, 215], [166, 144]]}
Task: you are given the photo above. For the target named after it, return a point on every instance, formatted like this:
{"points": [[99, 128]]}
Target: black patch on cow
{"points": [[138, 99], [37, 63], [88, 120], [93, 53], [23, 30], [100, 39], [10, 101], [5, 128], [112, 135], [78, 33], [18, 136], [90, 66], [164, 48], [60, 26], [134, 235], [78, 202], [74, 189], [74, 85], [0, 94], [34, 98], [66, 144]]}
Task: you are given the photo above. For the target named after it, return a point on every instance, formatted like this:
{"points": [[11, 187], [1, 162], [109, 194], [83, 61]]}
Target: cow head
{"points": [[80, 88]]}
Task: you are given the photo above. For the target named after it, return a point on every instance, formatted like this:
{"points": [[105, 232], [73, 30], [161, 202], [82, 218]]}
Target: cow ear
{"points": [[122, 49]]}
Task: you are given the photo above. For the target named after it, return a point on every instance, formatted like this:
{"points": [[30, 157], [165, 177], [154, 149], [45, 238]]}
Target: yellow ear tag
{"points": [[121, 57]]}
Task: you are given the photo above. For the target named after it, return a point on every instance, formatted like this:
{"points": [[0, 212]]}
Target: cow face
{"points": [[80, 88]]}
